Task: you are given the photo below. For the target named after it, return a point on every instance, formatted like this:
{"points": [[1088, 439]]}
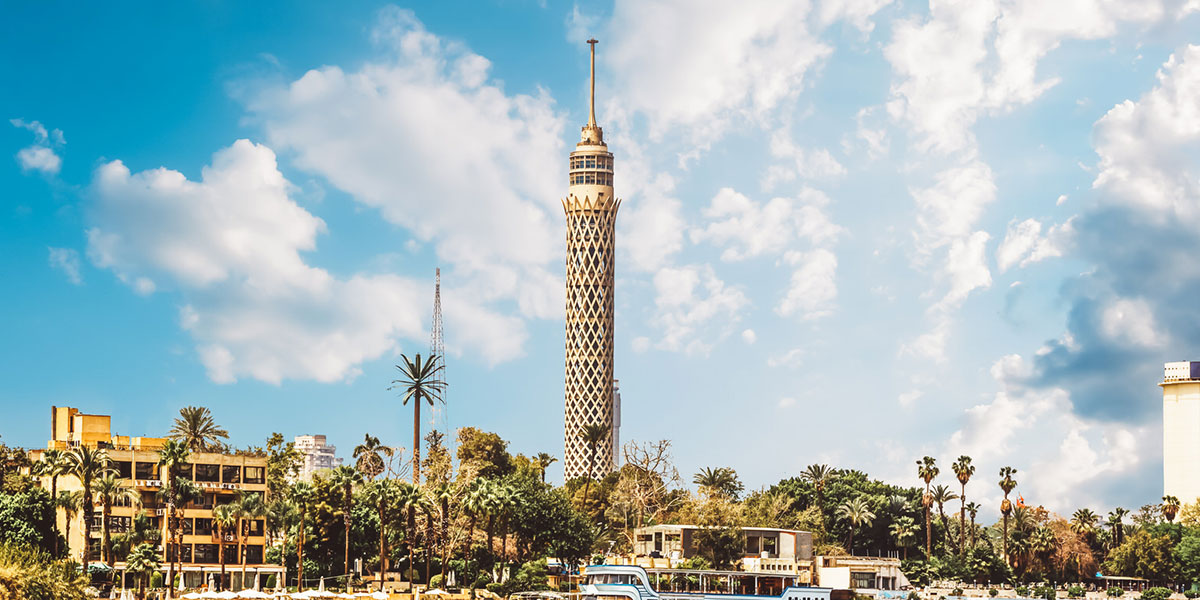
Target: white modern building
{"points": [[317, 455], [1181, 430]]}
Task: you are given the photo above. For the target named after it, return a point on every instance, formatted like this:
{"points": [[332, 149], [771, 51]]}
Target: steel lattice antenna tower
{"points": [[437, 345]]}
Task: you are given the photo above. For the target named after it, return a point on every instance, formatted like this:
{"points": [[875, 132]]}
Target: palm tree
{"points": [[443, 494], [1007, 484], [963, 470], [818, 476], [543, 461], [507, 498], [408, 499], [110, 491], [225, 519], [419, 381], [591, 434], [368, 456], [1041, 543], [1118, 527], [858, 513], [345, 478], [302, 495], [382, 494], [249, 506], [171, 458], [197, 430], [475, 503], [141, 563], [54, 465], [70, 503], [1083, 521], [941, 495], [973, 510], [87, 465], [927, 470], [903, 529], [1170, 507], [719, 481]]}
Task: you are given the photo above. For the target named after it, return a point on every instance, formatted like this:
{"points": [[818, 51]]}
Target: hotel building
{"points": [[220, 478], [318, 455]]}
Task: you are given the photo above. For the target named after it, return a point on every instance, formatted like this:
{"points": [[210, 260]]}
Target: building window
{"points": [[769, 545], [231, 474], [206, 553], [208, 473], [124, 469], [859, 579], [254, 555], [185, 471], [255, 475], [254, 527], [231, 554], [185, 553], [145, 470], [185, 526], [752, 544], [203, 526]]}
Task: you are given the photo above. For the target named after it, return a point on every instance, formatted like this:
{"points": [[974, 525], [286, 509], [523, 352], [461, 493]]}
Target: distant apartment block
{"points": [[317, 453]]}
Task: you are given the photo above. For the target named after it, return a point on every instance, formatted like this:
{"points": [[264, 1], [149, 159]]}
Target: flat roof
{"points": [[681, 526]]}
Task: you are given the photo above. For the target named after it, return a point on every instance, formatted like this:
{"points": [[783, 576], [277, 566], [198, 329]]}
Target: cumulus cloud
{"points": [[813, 287], [67, 261], [1024, 243], [422, 134], [694, 308], [749, 336], [231, 244], [748, 229], [40, 156], [806, 163], [791, 359]]}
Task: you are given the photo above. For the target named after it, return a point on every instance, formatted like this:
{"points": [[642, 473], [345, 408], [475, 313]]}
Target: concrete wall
{"points": [[1181, 440]]}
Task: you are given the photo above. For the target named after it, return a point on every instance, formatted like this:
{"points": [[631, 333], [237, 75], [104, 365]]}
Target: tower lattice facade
{"points": [[591, 211]]}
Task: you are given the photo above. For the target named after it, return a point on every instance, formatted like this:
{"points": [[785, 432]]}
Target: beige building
{"points": [[220, 478], [591, 209], [318, 455], [1181, 430]]}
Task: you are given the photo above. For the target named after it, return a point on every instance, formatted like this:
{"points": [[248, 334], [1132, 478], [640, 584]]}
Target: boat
{"points": [[631, 582]]}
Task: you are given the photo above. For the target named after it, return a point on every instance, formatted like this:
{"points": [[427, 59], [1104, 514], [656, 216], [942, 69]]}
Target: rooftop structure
{"points": [[1181, 430], [591, 209]]}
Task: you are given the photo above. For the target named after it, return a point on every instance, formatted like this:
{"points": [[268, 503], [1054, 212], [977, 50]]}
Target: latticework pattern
{"points": [[591, 235]]}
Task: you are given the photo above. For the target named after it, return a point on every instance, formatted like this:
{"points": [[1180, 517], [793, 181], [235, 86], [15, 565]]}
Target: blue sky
{"points": [[853, 231]]}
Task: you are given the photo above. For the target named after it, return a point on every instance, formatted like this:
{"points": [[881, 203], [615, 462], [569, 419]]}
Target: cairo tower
{"points": [[591, 237]]}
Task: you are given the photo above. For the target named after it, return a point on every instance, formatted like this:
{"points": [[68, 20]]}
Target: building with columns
{"points": [[591, 209], [1181, 430]]}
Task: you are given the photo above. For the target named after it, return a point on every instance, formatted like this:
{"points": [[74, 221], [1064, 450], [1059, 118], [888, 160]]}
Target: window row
{"points": [[592, 178], [209, 473], [592, 161]]}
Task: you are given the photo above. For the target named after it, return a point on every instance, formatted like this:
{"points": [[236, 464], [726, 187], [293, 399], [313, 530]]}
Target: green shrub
{"points": [[913, 596], [1191, 594], [1022, 591], [993, 592], [1156, 593], [156, 579], [1115, 592], [30, 574], [270, 582], [495, 588], [956, 592], [482, 581], [1075, 591], [436, 582], [1046, 592]]}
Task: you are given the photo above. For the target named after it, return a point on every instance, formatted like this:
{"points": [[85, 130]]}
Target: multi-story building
{"points": [[219, 477], [318, 455], [1181, 430], [591, 209]]}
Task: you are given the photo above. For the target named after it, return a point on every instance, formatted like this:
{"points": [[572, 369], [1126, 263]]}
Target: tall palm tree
{"points": [[719, 481], [382, 494], [973, 510], [171, 458], [1083, 521], [419, 380], [903, 529], [927, 470], [368, 456], [70, 502], [1041, 543], [1007, 484], [54, 465], [1117, 525], [110, 491], [443, 494], [88, 465], [941, 495], [858, 513], [408, 499], [141, 563], [197, 430], [302, 495], [963, 470], [1170, 507], [591, 434], [345, 478], [476, 503], [507, 498], [249, 506], [225, 519], [543, 461], [818, 475]]}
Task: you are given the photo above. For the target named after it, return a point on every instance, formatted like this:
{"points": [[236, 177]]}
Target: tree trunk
{"points": [[1006, 540], [346, 520], [242, 549], [221, 556], [300, 556], [382, 552], [928, 532], [169, 531], [962, 521], [416, 441], [54, 510], [445, 534], [88, 512], [105, 539]]}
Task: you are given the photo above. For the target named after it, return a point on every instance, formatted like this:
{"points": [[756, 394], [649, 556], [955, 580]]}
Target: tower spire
{"points": [[592, 100]]}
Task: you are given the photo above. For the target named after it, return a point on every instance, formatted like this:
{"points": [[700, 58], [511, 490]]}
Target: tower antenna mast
{"points": [[437, 345]]}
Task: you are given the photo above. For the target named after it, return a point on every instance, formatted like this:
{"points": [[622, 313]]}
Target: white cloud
{"points": [[1131, 321], [804, 163], [40, 156], [230, 244], [792, 359], [422, 134], [907, 399], [930, 345], [966, 268], [950, 208], [749, 336], [1024, 243], [67, 261], [855, 12], [580, 26], [694, 308], [813, 287], [1147, 148], [651, 229], [748, 229], [787, 402]]}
